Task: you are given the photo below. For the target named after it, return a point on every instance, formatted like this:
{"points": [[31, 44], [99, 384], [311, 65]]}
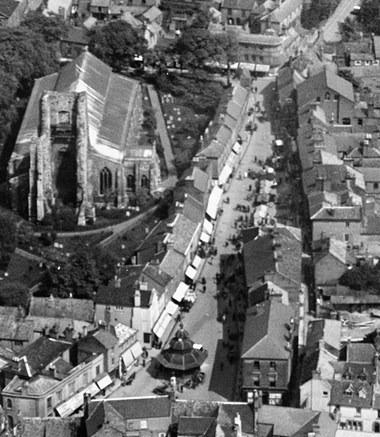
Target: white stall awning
{"points": [[127, 358], [225, 174], [213, 202], [136, 350], [191, 272], [104, 382], [237, 148], [171, 308], [207, 226], [205, 237], [261, 68], [76, 401], [161, 324], [181, 291], [196, 261]]}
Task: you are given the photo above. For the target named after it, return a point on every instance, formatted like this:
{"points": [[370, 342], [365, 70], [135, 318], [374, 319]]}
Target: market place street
{"points": [[204, 322]]}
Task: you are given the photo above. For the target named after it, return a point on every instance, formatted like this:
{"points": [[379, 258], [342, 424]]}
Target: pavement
{"points": [[221, 338], [331, 28]]}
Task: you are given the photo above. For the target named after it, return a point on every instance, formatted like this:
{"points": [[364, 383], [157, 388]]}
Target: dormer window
{"points": [[349, 390]]}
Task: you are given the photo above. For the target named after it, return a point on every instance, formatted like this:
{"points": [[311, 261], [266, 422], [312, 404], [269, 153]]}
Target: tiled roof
{"points": [[284, 11], [233, 109], [59, 324], [259, 39], [76, 35], [238, 4], [11, 329], [112, 294], [360, 353], [266, 331], [153, 243], [7, 7], [239, 94], [334, 247], [77, 309], [192, 209], [339, 213], [223, 135], [43, 351], [195, 426], [289, 264], [213, 150], [137, 408], [172, 262], [158, 279], [101, 415], [258, 258], [105, 338], [152, 13], [371, 174], [183, 233], [360, 397], [287, 421], [376, 46]]}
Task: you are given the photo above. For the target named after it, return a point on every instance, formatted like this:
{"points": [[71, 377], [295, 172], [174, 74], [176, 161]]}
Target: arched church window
{"points": [[130, 181], [105, 180], [144, 182]]}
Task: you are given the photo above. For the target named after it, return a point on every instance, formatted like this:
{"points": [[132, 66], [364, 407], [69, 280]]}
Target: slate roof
{"points": [[286, 9], [114, 295], [266, 331], [152, 13], [196, 426], [360, 353], [35, 386], [76, 35], [172, 262], [134, 408], [265, 40], [11, 329], [159, 278], [314, 86], [361, 396], [334, 247], [7, 7], [153, 243], [287, 421], [193, 209], [182, 233], [110, 100], [77, 309], [223, 135], [376, 46], [43, 351], [258, 258], [238, 4], [59, 324], [339, 213]]}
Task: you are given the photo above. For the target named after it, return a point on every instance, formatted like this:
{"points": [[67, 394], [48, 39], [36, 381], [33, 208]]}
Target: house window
{"points": [[85, 379], [143, 424], [347, 224], [272, 365], [256, 365], [71, 388], [147, 337], [113, 360], [10, 422], [358, 411], [256, 380], [360, 121], [238, 21], [375, 185], [253, 57], [49, 403], [143, 2], [59, 396], [119, 308], [243, 14], [272, 381], [105, 180], [229, 12], [246, 58], [318, 99], [346, 237], [99, 9], [376, 427], [325, 394], [18, 342], [346, 120], [9, 404], [97, 370], [336, 97], [327, 95]]}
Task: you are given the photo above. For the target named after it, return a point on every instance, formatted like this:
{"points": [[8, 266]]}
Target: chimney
{"points": [[117, 283], [68, 333], [86, 400], [137, 298], [371, 110], [52, 371], [84, 330]]}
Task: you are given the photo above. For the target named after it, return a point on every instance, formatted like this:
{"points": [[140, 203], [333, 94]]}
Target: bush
{"points": [[14, 294]]}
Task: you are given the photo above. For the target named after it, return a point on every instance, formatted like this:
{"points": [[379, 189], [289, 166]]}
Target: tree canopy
{"points": [[80, 275], [51, 28], [365, 277], [369, 16], [117, 43], [316, 11], [14, 294]]}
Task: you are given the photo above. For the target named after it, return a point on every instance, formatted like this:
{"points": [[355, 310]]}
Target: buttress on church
{"points": [[82, 141]]}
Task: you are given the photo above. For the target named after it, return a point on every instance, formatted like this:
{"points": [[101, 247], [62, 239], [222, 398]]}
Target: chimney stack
{"points": [[137, 298]]}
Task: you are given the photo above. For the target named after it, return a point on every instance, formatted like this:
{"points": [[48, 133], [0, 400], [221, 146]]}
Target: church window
{"points": [[130, 182], [105, 180], [144, 182]]}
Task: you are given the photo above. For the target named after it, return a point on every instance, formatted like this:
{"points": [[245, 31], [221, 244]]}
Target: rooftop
{"points": [[76, 309], [266, 331], [7, 7]]}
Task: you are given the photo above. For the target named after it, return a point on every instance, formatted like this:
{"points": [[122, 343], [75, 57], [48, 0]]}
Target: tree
{"points": [[364, 277], [195, 47], [7, 240], [105, 263], [369, 16], [116, 44], [228, 50], [77, 276], [349, 30], [14, 294], [51, 28], [317, 11]]}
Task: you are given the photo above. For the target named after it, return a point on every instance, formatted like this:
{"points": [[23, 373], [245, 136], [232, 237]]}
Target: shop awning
{"points": [[127, 358], [207, 226], [237, 148], [196, 262], [181, 291], [261, 68], [136, 350], [225, 174], [191, 271], [205, 237], [213, 202], [76, 401], [104, 382], [171, 308], [231, 159], [247, 65], [161, 324]]}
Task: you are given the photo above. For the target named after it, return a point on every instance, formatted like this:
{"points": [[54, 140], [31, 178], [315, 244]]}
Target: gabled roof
{"points": [[258, 258], [354, 394], [196, 426], [223, 135], [213, 150], [360, 353], [334, 247], [76, 309], [152, 13], [266, 331], [183, 233], [171, 262], [135, 408], [314, 86], [238, 4], [284, 10], [287, 421], [193, 209]]}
